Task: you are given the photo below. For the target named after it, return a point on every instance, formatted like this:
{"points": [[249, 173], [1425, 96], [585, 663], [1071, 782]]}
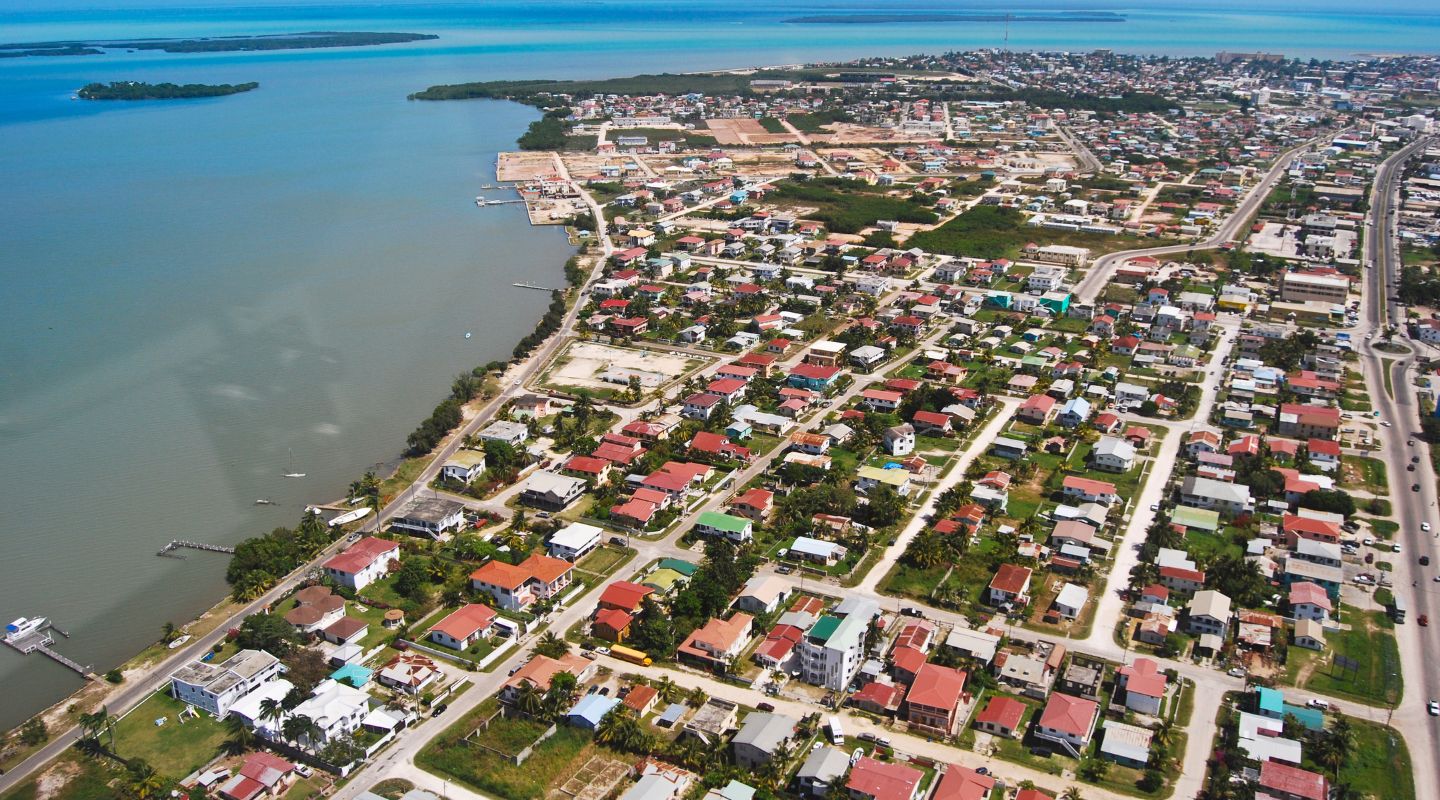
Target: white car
{"points": [[1425, 526], [1433, 707], [1316, 702]]}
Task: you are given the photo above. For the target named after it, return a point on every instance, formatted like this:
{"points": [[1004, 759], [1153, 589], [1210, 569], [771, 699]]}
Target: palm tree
{"points": [[168, 632], [1073, 793], [529, 700], [299, 727], [241, 738], [665, 688], [144, 782]]}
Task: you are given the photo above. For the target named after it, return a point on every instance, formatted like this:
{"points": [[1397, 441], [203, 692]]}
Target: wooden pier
{"points": [[533, 286], [39, 642], [169, 549]]}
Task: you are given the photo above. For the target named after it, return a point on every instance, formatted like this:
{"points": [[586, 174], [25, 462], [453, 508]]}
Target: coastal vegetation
{"points": [[219, 44], [535, 91], [261, 561], [136, 90]]}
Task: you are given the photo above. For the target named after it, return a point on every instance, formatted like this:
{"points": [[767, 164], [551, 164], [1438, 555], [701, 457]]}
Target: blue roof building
{"points": [[590, 710], [353, 674]]}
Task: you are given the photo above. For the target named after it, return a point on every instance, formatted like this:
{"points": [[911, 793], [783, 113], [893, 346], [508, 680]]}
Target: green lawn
{"points": [[1380, 763], [1370, 641], [1372, 473], [175, 748], [605, 559], [1018, 750]]}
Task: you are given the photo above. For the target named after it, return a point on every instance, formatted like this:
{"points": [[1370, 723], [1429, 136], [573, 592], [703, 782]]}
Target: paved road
{"points": [[1100, 271], [1422, 680]]}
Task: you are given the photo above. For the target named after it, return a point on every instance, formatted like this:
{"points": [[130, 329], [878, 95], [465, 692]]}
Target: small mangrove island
{"points": [[135, 90]]}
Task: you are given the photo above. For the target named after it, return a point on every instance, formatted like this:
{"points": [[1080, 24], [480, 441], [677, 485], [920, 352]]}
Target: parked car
{"points": [[1395, 548], [912, 611], [1409, 467], [1423, 619], [1316, 702], [1414, 487], [1433, 707], [1236, 672], [440, 709], [765, 706], [1424, 561]]}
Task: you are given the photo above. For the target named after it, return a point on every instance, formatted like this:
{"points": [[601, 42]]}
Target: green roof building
{"points": [[736, 529]]}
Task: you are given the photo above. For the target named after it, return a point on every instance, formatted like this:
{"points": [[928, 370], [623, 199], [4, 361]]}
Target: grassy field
{"points": [[1370, 641], [995, 232], [1371, 472], [175, 749], [1380, 764], [553, 760]]}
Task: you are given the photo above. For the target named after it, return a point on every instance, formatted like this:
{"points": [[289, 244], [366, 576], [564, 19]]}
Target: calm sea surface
{"points": [[196, 295]]}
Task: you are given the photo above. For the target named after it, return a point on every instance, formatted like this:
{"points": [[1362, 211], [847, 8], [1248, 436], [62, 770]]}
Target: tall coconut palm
{"points": [[529, 700], [144, 782], [240, 738]]}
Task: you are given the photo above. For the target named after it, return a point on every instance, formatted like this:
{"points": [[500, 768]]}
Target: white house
{"points": [[217, 687], [899, 440], [336, 709], [363, 563], [464, 626], [465, 466], [574, 541], [1113, 455]]}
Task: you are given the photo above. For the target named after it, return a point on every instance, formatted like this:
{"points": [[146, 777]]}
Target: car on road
{"points": [[1154, 507], [1410, 442], [1414, 459], [1369, 542], [604, 651], [767, 707], [1384, 422], [1425, 526], [1433, 707], [1424, 561], [1395, 548], [617, 540], [1316, 702], [440, 709], [784, 569], [1424, 620], [911, 611], [1409, 467], [1236, 672], [1414, 487]]}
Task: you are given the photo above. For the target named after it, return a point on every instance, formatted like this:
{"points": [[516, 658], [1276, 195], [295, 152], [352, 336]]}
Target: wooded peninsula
{"points": [[220, 44], [135, 90]]}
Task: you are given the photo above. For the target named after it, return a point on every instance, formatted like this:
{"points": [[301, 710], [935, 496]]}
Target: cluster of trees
{"points": [[135, 90], [538, 92], [846, 206], [726, 568], [547, 133], [550, 323], [261, 561], [445, 418], [1420, 286]]}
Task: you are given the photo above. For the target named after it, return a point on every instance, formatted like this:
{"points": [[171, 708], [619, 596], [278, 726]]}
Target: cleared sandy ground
{"points": [[591, 365]]}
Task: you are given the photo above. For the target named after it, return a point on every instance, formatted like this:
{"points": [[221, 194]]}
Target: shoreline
{"points": [[56, 714]]}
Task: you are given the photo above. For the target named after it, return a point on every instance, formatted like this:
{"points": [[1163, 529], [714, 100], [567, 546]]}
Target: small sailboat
{"points": [[467, 334], [292, 473], [264, 501]]}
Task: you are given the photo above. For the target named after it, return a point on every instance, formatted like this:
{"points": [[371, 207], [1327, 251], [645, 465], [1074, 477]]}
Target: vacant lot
{"points": [[1370, 641], [592, 366]]}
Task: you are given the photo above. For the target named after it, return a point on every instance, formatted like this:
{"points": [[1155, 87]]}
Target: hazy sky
{"points": [[1382, 6]]}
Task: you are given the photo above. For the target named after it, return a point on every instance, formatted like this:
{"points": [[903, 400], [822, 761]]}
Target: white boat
{"points": [[24, 627], [349, 516], [179, 641], [467, 334], [264, 502], [292, 473]]}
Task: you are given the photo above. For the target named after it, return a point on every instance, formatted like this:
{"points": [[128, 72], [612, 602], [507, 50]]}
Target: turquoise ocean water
{"points": [[194, 294]]}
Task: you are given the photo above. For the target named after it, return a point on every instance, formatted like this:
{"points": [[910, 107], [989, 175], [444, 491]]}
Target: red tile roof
{"points": [[463, 622], [1003, 711], [1069, 715]]}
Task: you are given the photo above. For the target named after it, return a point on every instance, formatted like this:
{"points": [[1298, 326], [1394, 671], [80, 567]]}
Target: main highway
{"points": [[1100, 271], [1413, 493]]}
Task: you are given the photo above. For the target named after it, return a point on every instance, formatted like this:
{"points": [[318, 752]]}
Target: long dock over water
{"points": [[169, 549], [39, 641]]}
